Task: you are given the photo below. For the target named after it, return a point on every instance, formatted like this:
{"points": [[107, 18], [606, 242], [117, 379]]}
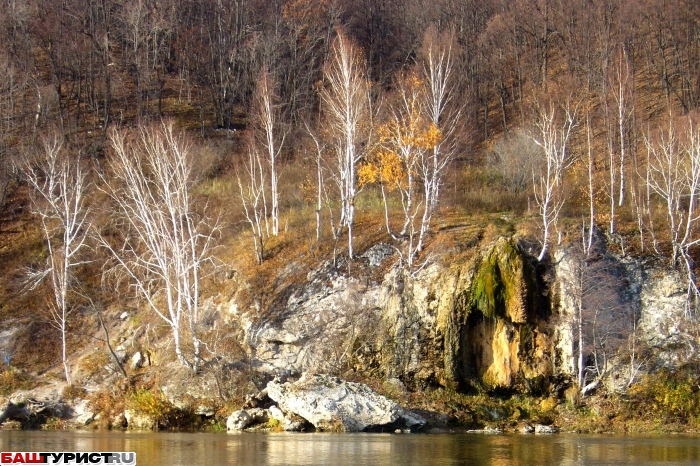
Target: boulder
{"points": [[526, 428], [139, 421], [294, 423], [542, 429], [137, 361], [290, 422], [84, 419], [120, 353], [82, 415], [331, 404], [276, 413], [241, 419], [205, 410]]}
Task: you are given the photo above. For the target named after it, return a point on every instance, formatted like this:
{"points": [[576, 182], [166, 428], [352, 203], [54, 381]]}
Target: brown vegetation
{"points": [[431, 163]]}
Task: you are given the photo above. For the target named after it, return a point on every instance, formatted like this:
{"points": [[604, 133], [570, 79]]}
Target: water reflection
{"points": [[156, 449]]}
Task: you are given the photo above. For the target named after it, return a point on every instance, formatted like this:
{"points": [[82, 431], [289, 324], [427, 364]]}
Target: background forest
{"points": [[163, 147]]}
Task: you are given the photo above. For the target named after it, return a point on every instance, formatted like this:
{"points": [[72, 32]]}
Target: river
{"points": [[164, 448]]}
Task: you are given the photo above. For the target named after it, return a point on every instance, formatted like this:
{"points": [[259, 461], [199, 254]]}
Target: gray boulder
{"points": [[241, 419], [294, 423], [276, 413], [542, 429], [331, 404], [140, 421], [136, 361]]}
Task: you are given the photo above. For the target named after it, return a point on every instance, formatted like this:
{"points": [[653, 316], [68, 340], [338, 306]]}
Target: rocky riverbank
{"points": [[486, 338]]}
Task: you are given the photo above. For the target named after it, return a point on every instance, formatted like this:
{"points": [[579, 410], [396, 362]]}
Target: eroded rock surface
{"points": [[445, 324]]}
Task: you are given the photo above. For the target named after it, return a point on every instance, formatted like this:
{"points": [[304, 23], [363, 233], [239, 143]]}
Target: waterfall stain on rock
{"points": [[494, 318]]}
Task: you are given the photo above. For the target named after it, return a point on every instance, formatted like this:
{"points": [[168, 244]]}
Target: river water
{"points": [[162, 448]]}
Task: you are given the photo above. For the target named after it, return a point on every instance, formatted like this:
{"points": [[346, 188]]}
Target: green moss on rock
{"points": [[502, 287], [504, 283]]}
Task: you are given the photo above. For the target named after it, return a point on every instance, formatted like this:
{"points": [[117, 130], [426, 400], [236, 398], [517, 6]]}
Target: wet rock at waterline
{"points": [[244, 418]]}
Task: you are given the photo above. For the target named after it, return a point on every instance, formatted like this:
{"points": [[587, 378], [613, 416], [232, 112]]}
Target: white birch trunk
{"points": [[58, 198]]}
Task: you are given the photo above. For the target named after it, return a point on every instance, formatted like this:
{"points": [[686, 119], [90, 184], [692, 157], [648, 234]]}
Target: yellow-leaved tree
{"points": [[406, 138]]}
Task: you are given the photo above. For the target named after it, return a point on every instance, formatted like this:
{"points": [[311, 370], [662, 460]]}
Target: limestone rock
{"points": [[334, 405], [294, 423], [139, 421], [377, 253], [241, 419], [238, 420], [542, 429], [527, 429], [82, 414], [85, 419], [276, 413], [118, 420], [120, 353], [319, 316], [205, 410], [137, 361]]}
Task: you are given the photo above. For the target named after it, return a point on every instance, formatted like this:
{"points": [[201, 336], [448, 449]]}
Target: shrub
{"points": [[154, 404], [72, 392], [107, 404], [94, 363], [668, 396], [12, 379]]}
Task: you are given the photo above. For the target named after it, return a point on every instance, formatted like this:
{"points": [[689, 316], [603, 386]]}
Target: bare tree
{"points": [[674, 175], [11, 86], [320, 182], [514, 157], [270, 137], [252, 194], [623, 116], [552, 135], [437, 58], [601, 321], [587, 239], [58, 199], [163, 243], [400, 161], [346, 106]]}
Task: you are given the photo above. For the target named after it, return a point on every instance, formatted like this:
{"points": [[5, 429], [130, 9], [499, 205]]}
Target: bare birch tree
{"points": [[163, 243], [437, 58], [271, 136], [252, 193], [623, 79], [552, 134], [58, 199], [320, 182], [601, 321], [674, 175], [346, 107]]}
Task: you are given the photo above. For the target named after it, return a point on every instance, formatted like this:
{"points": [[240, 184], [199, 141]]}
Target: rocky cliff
{"points": [[492, 320], [481, 321]]}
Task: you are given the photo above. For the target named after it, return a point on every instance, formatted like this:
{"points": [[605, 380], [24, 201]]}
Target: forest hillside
{"points": [[162, 160]]}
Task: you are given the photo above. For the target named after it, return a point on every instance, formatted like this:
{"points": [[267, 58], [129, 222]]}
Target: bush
{"points": [[154, 404], [12, 379], [94, 363], [72, 392], [668, 396], [108, 405]]}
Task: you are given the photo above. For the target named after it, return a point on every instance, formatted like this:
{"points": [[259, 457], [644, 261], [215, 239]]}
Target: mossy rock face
{"points": [[493, 338], [503, 286]]}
